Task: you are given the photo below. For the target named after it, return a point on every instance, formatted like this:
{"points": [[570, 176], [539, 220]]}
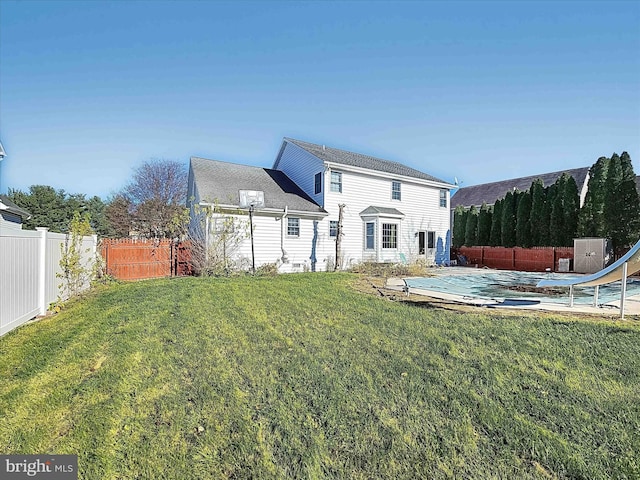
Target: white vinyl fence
{"points": [[29, 273]]}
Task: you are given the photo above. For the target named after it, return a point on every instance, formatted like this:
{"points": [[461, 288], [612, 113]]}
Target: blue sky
{"points": [[481, 91]]}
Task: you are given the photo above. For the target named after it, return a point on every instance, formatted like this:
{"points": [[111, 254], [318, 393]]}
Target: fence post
{"points": [[42, 271]]}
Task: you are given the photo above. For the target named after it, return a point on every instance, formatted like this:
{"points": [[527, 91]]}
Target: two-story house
{"points": [[390, 212]]}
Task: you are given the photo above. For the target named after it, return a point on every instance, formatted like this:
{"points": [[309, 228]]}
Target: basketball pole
{"points": [[253, 257]]}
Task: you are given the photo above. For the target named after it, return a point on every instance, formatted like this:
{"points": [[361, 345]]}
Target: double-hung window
{"points": [[370, 235], [333, 228], [317, 183], [336, 182], [443, 198], [395, 190], [293, 227], [389, 235]]}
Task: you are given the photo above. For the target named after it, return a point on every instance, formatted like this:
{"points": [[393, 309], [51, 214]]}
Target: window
{"points": [[333, 228], [431, 239], [389, 235], [293, 227], [395, 190], [317, 183], [336, 182], [369, 236], [443, 198]]}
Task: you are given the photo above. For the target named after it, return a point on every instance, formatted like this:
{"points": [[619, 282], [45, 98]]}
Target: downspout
{"points": [[285, 257]]}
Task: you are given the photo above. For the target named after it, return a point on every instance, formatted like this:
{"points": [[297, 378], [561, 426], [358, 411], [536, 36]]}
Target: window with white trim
{"points": [[333, 228], [443, 198], [293, 227], [317, 183], [389, 235], [336, 182], [431, 239], [369, 235], [395, 190]]}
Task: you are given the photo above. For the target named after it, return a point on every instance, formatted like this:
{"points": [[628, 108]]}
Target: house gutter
{"points": [[285, 257]]}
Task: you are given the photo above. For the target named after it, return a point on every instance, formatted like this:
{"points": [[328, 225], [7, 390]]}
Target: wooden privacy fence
{"points": [[138, 259], [536, 259]]}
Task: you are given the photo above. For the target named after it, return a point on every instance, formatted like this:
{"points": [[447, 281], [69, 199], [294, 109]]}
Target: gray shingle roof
{"points": [[335, 155], [490, 192], [220, 181], [13, 208], [372, 210]]}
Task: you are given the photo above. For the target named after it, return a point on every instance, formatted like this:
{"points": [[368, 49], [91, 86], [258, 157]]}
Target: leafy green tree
{"points": [[523, 220], [508, 236], [55, 209], [591, 216], [471, 228], [537, 193], [119, 216], [570, 208], [95, 207], [76, 262], [495, 237], [459, 226], [621, 209], [629, 202], [612, 201], [545, 223], [484, 225]]}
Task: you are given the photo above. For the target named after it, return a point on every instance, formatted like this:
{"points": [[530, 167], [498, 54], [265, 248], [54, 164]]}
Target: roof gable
{"points": [[221, 181], [7, 205], [489, 193], [344, 157]]}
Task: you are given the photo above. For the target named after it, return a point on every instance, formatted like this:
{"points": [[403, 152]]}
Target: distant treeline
{"points": [[551, 216]]}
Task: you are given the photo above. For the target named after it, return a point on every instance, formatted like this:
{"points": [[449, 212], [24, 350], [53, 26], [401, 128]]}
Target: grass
{"points": [[302, 376]]}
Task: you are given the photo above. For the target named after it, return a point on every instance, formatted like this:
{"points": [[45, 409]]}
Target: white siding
{"points": [[269, 240], [419, 203], [301, 167]]}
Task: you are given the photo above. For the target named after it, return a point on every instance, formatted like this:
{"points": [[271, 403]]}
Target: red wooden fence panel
{"points": [[137, 259], [536, 259]]}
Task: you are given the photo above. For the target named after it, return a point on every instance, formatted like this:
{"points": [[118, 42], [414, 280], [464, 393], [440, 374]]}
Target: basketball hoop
{"points": [[251, 200]]}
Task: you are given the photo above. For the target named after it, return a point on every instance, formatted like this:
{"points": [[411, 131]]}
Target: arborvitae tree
{"points": [[537, 193], [459, 226], [508, 236], [471, 230], [495, 237], [591, 216], [484, 225], [612, 201], [570, 206], [629, 214], [523, 220], [545, 222], [557, 233]]}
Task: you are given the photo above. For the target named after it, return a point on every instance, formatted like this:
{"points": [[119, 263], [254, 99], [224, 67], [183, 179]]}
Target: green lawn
{"points": [[301, 376]]}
